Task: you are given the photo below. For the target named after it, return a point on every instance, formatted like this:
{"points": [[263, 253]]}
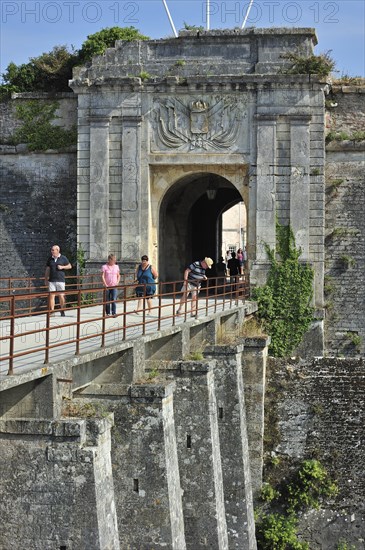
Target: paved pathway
{"points": [[31, 331]]}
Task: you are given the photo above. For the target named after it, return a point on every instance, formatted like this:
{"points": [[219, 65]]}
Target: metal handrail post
{"points": [[124, 312], [12, 333], [48, 318], [78, 325], [159, 308], [103, 320]]}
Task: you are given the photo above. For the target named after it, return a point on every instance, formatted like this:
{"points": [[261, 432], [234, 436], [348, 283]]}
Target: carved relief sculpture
{"points": [[197, 124]]}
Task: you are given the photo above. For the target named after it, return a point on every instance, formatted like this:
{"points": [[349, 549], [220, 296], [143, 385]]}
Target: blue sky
{"points": [[29, 28]]}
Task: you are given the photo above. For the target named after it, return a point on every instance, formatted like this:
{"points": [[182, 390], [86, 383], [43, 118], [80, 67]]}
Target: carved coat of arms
{"points": [[198, 125]]}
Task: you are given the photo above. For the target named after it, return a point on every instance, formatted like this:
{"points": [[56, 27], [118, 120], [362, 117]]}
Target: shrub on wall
{"points": [[51, 71], [37, 131], [284, 303], [321, 65], [277, 520]]}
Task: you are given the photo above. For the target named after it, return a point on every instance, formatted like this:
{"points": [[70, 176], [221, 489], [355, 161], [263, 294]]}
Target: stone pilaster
{"points": [[265, 194], [99, 187], [299, 181], [131, 189]]}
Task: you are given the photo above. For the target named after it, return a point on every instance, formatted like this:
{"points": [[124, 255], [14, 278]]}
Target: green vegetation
{"points": [[188, 27], [310, 487], [328, 285], [268, 493], [37, 130], [346, 80], [84, 410], [276, 526], [96, 44], [343, 136], [343, 545], [335, 182], [277, 531], [355, 339], [153, 373], [284, 303], [196, 356], [50, 72], [321, 65], [144, 75], [347, 261]]}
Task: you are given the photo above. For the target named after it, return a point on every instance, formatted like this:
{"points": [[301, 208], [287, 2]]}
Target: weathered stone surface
{"points": [[315, 409], [58, 489]]}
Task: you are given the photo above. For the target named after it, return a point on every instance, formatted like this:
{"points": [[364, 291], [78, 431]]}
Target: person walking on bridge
{"points": [[193, 277], [55, 278], [110, 275]]}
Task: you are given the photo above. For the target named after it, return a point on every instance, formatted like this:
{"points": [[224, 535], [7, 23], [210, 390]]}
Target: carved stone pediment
{"points": [[198, 124]]}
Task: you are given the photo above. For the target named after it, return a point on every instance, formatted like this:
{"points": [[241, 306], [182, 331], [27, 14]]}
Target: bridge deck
{"points": [[40, 339]]}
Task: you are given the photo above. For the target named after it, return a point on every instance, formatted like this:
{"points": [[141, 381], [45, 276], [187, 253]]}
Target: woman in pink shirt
{"points": [[111, 277]]}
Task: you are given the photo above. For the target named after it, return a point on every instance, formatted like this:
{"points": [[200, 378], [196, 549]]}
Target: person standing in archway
{"points": [[193, 277], [234, 271], [240, 259]]}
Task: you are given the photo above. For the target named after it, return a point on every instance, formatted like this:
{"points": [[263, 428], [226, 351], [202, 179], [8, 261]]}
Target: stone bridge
{"points": [[155, 442]]}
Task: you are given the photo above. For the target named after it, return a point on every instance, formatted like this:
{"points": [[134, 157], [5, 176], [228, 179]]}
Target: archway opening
{"points": [[190, 225]]}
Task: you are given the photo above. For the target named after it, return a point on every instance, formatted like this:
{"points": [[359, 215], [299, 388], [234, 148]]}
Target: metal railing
{"points": [[30, 331]]}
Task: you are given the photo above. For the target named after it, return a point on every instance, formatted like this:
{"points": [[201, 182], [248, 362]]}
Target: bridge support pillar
{"points": [[232, 427], [254, 357]]}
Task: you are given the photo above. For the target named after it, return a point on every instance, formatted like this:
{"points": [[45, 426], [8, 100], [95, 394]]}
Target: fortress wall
{"points": [[50, 469], [199, 455], [38, 209], [345, 225], [315, 409], [234, 445]]}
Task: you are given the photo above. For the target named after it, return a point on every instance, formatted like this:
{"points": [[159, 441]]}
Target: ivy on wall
{"points": [[37, 131], [284, 303], [277, 519]]}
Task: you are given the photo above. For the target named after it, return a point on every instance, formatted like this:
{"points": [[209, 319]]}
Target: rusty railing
{"points": [[31, 331]]}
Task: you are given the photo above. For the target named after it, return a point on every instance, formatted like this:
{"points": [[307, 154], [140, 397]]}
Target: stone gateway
{"points": [[162, 121]]}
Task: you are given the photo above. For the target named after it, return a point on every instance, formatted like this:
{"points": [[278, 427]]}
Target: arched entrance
{"points": [[190, 221]]}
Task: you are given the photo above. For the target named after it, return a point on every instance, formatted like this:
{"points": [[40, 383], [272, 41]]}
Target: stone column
{"points": [[131, 213], [299, 181], [99, 188], [265, 194]]}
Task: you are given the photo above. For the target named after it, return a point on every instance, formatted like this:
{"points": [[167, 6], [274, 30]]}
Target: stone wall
{"points": [[315, 409], [345, 225], [38, 193], [38, 209], [58, 484]]}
